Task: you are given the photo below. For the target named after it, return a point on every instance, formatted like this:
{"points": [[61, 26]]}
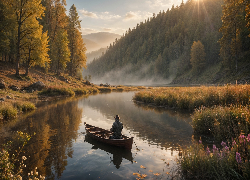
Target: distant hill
{"points": [[95, 54], [90, 45], [95, 41]]}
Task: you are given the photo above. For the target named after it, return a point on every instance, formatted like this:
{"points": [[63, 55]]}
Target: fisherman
{"points": [[116, 128]]}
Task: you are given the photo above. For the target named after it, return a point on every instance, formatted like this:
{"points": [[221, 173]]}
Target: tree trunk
{"points": [[18, 43], [28, 64], [58, 63]]}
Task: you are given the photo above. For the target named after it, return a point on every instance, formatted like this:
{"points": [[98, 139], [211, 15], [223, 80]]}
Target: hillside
{"points": [[95, 54], [90, 45], [95, 41], [159, 50]]}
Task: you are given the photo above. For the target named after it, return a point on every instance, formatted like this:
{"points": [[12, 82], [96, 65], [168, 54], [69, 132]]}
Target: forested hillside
{"points": [[40, 33], [186, 39], [95, 54]]}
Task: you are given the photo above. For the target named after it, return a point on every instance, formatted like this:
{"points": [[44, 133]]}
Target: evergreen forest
{"points": [[183, 41], [39, 33]]}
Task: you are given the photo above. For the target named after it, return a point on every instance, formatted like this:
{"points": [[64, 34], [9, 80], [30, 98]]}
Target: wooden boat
{"points": [[103, 135]]}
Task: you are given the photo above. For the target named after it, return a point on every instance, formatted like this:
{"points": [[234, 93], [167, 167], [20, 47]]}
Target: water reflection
{"points": [[166, 128], [118, 153], [60, 149], [55, 127]]}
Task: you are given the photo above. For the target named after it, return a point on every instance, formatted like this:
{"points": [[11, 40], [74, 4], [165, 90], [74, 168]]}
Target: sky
{"points": [[116, 16]]}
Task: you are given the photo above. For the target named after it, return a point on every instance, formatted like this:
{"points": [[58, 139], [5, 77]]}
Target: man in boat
{"points": [[116, 128]]}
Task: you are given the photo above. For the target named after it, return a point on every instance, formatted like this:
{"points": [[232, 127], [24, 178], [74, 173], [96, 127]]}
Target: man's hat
{"points": [[117, 117]]}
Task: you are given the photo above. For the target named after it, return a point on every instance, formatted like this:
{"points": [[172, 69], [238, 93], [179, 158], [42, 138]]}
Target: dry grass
{"points": [[191, 98]]}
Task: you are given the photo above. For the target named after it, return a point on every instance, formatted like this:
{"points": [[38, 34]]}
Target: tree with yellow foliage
{"points": [[22, 12], [198, 56], [35, 46], [61, 53]]}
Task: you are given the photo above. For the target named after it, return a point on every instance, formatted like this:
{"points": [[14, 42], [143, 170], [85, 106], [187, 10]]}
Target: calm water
{"points": [[60, 150]]}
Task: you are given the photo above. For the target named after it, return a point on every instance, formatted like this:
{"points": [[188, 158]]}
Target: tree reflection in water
{"points": [[118, 153], [55, 127]]}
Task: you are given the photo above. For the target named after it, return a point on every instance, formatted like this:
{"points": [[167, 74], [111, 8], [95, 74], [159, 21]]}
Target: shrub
{"points": [[105, 89], [8, 112], [222, 122], [57, 92], [25, 106], [81, 91]]}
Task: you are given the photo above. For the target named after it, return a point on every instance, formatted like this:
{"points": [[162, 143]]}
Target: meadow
{"points": [[218, 112]]}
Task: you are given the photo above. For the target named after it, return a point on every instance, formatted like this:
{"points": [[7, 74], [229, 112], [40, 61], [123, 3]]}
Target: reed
{"points": [[230, 161], [191, 98]]}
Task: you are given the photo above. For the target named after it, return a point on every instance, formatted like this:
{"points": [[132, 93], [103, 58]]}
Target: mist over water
{"points": [[129, 76]]}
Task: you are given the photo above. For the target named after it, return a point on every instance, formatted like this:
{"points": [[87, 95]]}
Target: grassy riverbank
{"points": [[190, 98], [15, 102], [222, 111]]}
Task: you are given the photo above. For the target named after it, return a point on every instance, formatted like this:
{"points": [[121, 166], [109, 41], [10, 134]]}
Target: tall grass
{"points": [[191, 98], [85, 91], [222, 122], [25, 106], [231, 161], [11, 162], [55, 91], [10, 111]]}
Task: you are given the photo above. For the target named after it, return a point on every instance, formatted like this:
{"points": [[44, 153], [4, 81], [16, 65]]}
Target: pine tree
{"points": [[233, 24], [77, 47], [6, 25]]}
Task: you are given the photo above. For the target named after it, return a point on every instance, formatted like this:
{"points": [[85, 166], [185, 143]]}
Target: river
{"points": [[60, 150]]}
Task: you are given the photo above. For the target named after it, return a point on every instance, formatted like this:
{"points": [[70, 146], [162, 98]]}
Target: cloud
{"points": [[88, 14], [160, 4], [138, 15], [88, 31], [101, 15], [107, 29]]}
